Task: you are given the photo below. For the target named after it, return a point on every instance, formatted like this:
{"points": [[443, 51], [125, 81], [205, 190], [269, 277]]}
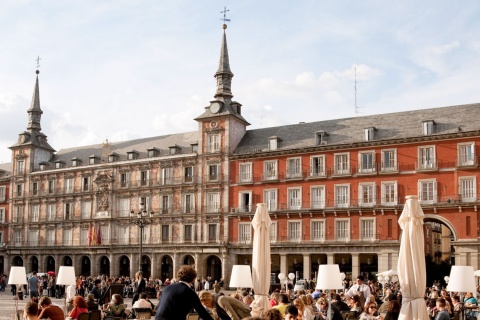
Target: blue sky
{"points": [[129, 69]]}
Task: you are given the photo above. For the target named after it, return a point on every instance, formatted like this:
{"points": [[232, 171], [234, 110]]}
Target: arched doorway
{"points": [[146, 266], [50, 263], [86, 266], [2, 264], [214, 268], [189, 260], [67, 261], [166, 268], [368, 265], [316, 261], [124, 266], [17, 261], [105, 265], [33, 264]]}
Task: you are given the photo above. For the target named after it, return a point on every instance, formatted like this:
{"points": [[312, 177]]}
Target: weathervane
{"points": [[38, 62], [225, 17]]}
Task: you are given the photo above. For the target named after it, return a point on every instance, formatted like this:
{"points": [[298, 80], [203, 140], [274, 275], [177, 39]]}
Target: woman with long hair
{"points": [[303, 313], [393, 310], [116, 307], [79, 306], [370, 313]]}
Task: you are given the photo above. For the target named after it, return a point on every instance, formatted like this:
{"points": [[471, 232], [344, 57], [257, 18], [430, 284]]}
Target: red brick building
{"points": [[5, 177]]}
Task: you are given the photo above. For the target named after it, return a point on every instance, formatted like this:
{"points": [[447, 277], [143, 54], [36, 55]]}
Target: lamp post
{"points": [[142, 221]]}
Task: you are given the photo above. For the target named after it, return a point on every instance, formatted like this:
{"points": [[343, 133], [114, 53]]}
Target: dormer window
{"points": [[194, 147], [153, 152], [132, 155], [321, 138], [113, 157], [59, 164], [273, 142], [237, 107], [93, 159], [369, 133], [43, 166], [76, 162], [174, 150], [428, 127]]}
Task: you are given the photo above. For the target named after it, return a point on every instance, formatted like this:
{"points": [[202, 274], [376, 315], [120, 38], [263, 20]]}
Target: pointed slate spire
{"points": [[224, 75], [35, 112]]}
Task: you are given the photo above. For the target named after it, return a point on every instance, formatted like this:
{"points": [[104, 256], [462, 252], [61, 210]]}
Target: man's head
{"points": [[206, 298], [31, 309], [291, 312], [283, 298], [97, 282], [440, 303], [44, 301], [391, 297], [143, 295], [34, 273], [360, 279], [187, 274]]}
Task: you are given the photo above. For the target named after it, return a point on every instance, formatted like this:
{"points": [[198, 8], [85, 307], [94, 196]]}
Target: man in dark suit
{"points": [[179, 299], [339, 304]]}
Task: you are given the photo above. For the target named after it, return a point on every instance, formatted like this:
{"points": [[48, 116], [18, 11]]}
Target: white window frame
{"points": [[86, 183], [471, 195], [188, 177], [33, 237], [246, 173], [192, 230], [51, 211], [213, 201], [242, 206], [370, 189], [87, 209], [270, 170], [427, 200], [188, 208], [124, 207], [123, 234], [3, 193], [369, 133], [51, 235], [124, 183], [274, 232], [294, 235], [144, 177], [317, 169], [367, 235], [68, 209], [318, 235], [294, 168], [364, 165], [69, 183], [427, 161], [384, 193], [343, 166], [84, 236], [245, 232], [294, 199], [20, 167], [166, 208], [17, 237], [427, 127], [389, 164], [270, 197], [317, 197], [342, 235], [146, 203], [67, 236], [213, 143], [216, 175], [466, 154], [161, 237], [167, 176], [207, 232], [18, 213], [35, 213], [2, 215], [342, 195], [272, 144]]}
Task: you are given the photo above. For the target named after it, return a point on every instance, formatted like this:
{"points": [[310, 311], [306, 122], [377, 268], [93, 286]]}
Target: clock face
{"points": [[215, 107]]}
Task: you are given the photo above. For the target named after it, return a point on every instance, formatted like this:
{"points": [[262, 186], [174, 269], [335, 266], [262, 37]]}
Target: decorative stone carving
{"points": [[103, 182]]}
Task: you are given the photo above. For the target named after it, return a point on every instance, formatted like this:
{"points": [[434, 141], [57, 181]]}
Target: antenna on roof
{"points": [[356, 112]]}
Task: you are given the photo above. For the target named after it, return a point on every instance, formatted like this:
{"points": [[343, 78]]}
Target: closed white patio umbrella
{"points": [[261, 260], [411, 262]]}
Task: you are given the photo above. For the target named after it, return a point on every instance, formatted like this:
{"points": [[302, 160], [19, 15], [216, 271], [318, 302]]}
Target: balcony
{"points": [[245, 178], [389, 167], [339, 171], [293, 174], [317, 172], [366, 168], [467, 161], [242, 209], [426, 165]]}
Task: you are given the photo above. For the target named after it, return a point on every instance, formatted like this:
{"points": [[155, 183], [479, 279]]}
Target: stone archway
{"points": [[50, 264], [124, 266], [86, 265], [146, 266], [33, 264], [17, 261], [166, 268], [188, 260], [213, 267], [104, 265], [67, 261]]}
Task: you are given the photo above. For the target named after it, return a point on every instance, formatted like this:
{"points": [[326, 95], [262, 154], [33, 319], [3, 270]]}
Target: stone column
{"points": [[283, 264], [355, 265], [330, 258], [307, 266]]}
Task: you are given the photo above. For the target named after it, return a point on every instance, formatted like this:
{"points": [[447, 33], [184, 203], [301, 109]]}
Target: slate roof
{"points": [[5, 170], [388, 126], [162, 143]]}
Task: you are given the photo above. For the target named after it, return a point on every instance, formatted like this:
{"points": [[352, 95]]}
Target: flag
{"points": [[94, 236], [99, 236], [90, 235]]}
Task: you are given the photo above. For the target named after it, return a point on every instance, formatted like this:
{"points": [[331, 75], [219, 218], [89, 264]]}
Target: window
{"points": [[318, 230], [466, 154], [342, 230], [294, 168], [86, 209], [3, 193], [124, 207], [426, 158], [245, 201], [213, 172], [244, 232], [20, 167], [167, 176], [294, 231], [212, 232], [270, 198], [188, 203], [69, 185], [366, 194], [188, 174], [321, 138], [272, 143], [468, 225], [35, 213], [428, 127], [188, 233], [342, 163], [367, 229], [146, 234], [51, 212], [342, 195], [273, 232], [93, 159], [35, 188], [51, 186], [294, 198], [369, 133], [18, 214], [83, 236], [86, 183], [270, 170], [194, 147], [389, 160], [124, 177], [132, 155], [166, 204], [317, 166], [213, 202], [213, 143], [68, 211], [17, 237], [105, 234], [123, 235], [144, 203], [165, 230], [317, 197], [245, 172], [144, 178], [390, 228], [2, 215], [58, 164], [151, 153], [67, 237], [427, 191], [51, 237], [19, 190], [367, 162], [33, 235], [468, 190], [389, 193]]}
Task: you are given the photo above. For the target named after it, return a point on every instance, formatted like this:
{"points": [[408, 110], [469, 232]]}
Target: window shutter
{"points": [[434, 191], [419, 186]]}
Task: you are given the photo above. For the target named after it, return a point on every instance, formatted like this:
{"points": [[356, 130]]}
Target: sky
{"points": [[127, 69]]}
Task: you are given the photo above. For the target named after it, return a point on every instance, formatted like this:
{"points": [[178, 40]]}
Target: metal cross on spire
{"points": [[225, 15], [38, 62]]}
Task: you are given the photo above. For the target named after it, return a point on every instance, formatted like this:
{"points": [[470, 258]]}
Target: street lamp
{"points": [[142, 221]]}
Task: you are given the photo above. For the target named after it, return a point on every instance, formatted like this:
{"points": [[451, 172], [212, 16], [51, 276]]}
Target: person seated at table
{"points": [[442, 313], [370, 313], [49, 310], [30, 311], [79, 306], [91, 304], [470, 301], [142, 302], [393, 310], [116, 307], [225, 307], [356, 307]]}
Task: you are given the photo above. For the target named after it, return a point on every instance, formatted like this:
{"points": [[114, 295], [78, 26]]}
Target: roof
{"points": [[162, 143], [5, 170], [452, 119]]}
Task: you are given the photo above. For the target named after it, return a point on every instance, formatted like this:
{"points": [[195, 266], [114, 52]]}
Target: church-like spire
{"points": [[224, 75], [35, 112]]}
